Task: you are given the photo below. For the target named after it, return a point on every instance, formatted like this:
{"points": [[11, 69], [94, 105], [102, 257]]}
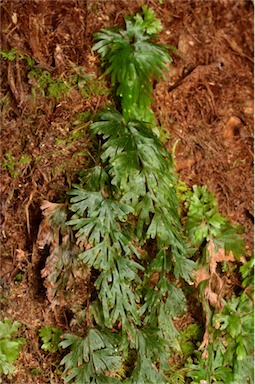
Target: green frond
{"points": [[90, 358], [95, 178], [132, 61], [119, 300], [163, 297], [127, 201], [205, 222], [147, 23], [142, 170]]}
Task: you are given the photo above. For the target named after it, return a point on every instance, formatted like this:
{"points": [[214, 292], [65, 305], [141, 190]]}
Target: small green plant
{"points": [[188, 338], [51, 338], [9, 55], [131, 59], [228, 358], [18, 278], [12, 55], [204, 222], [48, 85], [228, 342], [87, 84], [13, 166], [10, 346]]}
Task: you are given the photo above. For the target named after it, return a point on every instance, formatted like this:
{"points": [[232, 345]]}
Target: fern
{"points": [[142, 171], [125, 201], [144, 188], [123, 223], [204, 222], [90, 358], [109, 250], [148, 357], [131, 60], [117, 191], [10, 346], [228, 342], [229, 356], [51, 337]]}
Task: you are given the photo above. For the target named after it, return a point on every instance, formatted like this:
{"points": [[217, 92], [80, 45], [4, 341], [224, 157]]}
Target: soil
{"points": [[205, 106]]}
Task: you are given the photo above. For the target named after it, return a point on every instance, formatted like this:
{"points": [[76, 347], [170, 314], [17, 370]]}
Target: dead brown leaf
{"points": [[214, 288], [202, 274], [213, 298], [217, 256], [46, 236], [212, 293]]}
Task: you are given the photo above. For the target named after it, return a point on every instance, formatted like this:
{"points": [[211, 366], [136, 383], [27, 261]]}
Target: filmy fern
{"points": [[125, 201], [132, 60], [140, 184], [125, 217]]}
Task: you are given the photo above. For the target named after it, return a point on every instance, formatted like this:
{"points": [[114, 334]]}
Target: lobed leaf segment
{"points": [[51, 338], [204, 222], [229, 356]]}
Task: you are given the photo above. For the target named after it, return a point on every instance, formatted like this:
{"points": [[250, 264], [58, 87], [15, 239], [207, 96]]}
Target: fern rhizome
{"points": [[125, 218]]}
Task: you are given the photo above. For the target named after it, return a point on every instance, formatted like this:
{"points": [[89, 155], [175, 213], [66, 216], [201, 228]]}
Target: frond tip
{"points": [[131, 60]]}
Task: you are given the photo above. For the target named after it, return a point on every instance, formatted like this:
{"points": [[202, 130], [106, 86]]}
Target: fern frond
{"points": [[90, 358], [204, 221], [148, 23], [162, 303], [142, 171], [152, 353], [96, 179], [99, 223], [132, 60], [119, 300]]}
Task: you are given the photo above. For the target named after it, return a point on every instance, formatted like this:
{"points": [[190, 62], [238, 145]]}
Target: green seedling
{"points": [[51, 338], [47, 85]]}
